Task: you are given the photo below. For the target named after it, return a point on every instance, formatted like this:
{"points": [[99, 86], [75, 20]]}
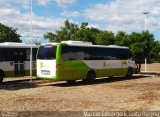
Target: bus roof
{"points": [[101, 46], [17, 45], [84, 44], [77, 42], [89, 44], [49, 44]]}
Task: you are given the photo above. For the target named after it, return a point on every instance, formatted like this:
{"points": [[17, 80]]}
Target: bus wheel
{"points": [[71, 81], [90, 77], [129, 74], [1, 76], [110, 77]]}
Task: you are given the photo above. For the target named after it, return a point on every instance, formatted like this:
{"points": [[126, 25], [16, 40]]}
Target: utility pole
{"points": [[145, 28], [31, 35]]}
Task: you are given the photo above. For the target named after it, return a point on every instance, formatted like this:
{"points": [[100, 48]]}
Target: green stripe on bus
{"points": [[12, 73]]}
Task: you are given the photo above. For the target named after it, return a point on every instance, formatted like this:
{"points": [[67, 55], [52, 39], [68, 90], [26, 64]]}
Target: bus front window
{"points": [[47, 52]]}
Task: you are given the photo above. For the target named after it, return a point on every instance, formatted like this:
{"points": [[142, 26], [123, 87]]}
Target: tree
{"points": [[105, 38], [71, 31], [87, 34], [140, 44], [155, 52], [8, 34], [121, 38], [67, 32], [143, 42], [50, 36]]}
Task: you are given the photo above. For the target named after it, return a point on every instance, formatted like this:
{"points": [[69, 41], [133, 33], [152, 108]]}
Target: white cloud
{"points": [[43, 2], [61, 3], [11, 16], [41, 25], [94, 26], [125, 14], [24, 3], [65, 3], [70, 14], [116, 15]]}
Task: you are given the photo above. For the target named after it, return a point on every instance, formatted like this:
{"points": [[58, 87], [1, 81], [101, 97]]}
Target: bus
{"points": [[15, 59], [74, 60]]}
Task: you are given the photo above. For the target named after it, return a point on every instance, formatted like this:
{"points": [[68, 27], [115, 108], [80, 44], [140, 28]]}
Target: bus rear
{"points": [[46, 61]]}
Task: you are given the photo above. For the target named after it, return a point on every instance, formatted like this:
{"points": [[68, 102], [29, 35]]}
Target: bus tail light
{"points": [[58, 66]]}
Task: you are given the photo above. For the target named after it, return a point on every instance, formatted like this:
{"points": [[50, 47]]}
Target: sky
{"points": [[49, 15]]}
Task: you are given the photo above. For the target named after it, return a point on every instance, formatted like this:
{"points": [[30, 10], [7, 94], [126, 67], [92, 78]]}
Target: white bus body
{"points": [[15, 59]]}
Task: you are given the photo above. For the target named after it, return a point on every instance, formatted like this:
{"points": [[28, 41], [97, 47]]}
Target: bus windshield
{"points": [[47, 52]]}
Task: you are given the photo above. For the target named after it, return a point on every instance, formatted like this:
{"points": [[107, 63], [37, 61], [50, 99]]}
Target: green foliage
{"points": [[137, 50], [8, 34], [142, 44], [68, 32], [121, 38], [105, 38], [155, 52], [71, 31]]}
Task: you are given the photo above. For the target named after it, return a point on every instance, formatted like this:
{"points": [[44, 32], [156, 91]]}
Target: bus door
{"points": [[19, 57]]}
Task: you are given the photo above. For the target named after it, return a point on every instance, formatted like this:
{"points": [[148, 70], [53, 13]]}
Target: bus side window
{"points": [[72, 53], [2, 57], [34, 53], [27, 54], [121, 54], [9, 54]]}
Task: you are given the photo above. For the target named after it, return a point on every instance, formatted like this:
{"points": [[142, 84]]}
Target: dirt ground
{"points": [[152, 67], [142, 93]]}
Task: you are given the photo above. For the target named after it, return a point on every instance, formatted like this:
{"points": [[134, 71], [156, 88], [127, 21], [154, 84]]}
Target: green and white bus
{"points": [[15, 59], [73, 60]]}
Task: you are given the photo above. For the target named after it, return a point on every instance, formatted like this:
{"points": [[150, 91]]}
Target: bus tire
{"points": [[90, 77], [1, 76], [71, 81], [110, 77], [129, 74]]}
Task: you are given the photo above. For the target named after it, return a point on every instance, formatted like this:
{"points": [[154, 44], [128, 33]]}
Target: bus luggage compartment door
{"points": [[19, 69], [19, 63]]}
